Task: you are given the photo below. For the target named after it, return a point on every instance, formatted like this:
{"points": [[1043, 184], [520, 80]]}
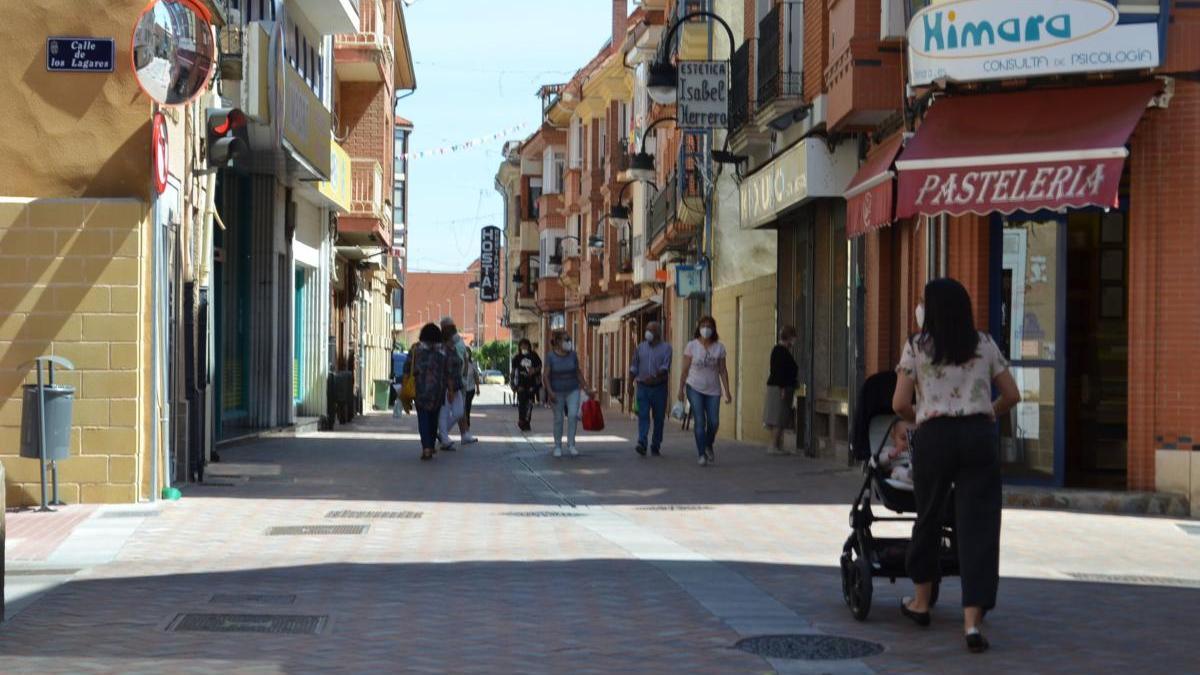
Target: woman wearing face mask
{"points": [[952, 369], [524, 377], [704, 374], [781, 387], [563, 380]]}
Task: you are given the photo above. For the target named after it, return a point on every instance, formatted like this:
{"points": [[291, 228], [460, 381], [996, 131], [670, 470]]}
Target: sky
{"points": [[479, 64]]}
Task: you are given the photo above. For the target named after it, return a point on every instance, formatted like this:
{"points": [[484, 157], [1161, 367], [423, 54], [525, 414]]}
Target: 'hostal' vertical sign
{"points": [[489, 264]]}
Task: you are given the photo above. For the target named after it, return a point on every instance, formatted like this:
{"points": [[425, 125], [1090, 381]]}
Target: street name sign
{"points": [[80, 55]]}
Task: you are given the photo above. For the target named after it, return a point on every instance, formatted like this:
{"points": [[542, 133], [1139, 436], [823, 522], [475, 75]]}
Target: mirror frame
{"points": [[203, 14]]}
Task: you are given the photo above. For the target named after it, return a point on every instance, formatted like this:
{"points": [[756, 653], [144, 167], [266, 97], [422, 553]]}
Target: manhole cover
{"points": [[251, 599], [675, 507], [809, 647], [543, 514], [374, 515], [316, 530], [1190, 529], [295, 624], [1135, 579], [129, 514]]}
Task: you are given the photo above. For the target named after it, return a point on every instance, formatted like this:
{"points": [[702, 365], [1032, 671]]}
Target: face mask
{"points": [[567, 345], [706, 332], [649, 336], [920, 312], [524, 352]]}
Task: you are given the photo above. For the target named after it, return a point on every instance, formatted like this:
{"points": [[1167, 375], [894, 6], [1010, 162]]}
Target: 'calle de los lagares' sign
{"points": [[971, 40]]}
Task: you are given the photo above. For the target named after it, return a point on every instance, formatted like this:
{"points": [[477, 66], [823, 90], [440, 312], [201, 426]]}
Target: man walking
{"points": [[649, 372]]}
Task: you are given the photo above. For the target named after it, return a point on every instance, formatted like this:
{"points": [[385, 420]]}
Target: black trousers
{"points": [[958, 456], [525, 404]]}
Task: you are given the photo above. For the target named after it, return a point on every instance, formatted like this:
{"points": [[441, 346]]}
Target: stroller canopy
{"points": [[874, 399]]}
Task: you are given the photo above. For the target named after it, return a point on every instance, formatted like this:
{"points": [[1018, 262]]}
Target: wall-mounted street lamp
{"points": [[641, 165], [595, 241], [662, 81]]}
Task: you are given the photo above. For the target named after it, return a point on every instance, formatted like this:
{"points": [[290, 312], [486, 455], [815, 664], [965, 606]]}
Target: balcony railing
{"points": [[741, 97], [660, 211], [625, 256], [780, 53], [372, 30], [366, 188]]}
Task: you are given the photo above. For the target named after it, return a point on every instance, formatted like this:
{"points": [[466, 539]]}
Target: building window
{"points": [[603, 122], [575, 143], [398, 202]]}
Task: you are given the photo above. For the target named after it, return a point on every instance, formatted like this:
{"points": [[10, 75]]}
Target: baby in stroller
{"points": [[895, 456]]}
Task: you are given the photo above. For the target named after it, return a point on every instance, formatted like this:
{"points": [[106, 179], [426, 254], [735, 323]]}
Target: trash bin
{"points": [[382, 394], [60, 400]]}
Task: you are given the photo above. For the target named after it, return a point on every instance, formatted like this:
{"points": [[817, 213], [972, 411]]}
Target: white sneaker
{"points": [[557, 452], [572, 451], [703, 461], [468, 439]]}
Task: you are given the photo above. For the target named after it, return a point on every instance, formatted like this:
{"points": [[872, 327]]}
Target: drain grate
{"points": [[1190, 529], [251, 599], [294, 624], [316, 530], [809, 647], [1135, 579], [543, 514], [375, 515], [675, 507], [129, 514]]}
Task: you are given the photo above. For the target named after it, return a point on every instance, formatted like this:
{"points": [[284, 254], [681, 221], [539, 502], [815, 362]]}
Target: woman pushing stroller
{"points": [[951, 368]]}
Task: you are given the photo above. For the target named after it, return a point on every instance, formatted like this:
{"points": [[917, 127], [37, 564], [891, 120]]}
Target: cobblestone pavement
{"points": [[501, 559]]}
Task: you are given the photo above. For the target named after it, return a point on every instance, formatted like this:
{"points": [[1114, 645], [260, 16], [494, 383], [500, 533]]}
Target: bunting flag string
{"points": [[466, 145]]}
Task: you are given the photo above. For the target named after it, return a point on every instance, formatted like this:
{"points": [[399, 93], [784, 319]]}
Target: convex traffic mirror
{"points": [[173, 50]]}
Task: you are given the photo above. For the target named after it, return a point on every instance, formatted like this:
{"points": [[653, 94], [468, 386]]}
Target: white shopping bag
{"points": [[677, 411]]}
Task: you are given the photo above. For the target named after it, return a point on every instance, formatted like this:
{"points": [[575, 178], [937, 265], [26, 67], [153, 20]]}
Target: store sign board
{"points": [[337, 189], [972, 40], [489, 264], [703, 95], [80, 54], [805, 171], [306, 122]]}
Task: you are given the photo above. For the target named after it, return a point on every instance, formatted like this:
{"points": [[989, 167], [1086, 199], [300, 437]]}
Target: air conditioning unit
{"points": [[893, 20]]}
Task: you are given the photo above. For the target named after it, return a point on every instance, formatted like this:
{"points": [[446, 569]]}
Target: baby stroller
{"points": [[865, 556]]}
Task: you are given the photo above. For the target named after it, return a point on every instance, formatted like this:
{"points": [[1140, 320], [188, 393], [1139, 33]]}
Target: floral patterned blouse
{"points": [[949, 390]]}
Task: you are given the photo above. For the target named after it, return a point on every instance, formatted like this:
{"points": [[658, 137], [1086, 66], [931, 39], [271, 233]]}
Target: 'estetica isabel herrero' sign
{"points": [[971, 40]]}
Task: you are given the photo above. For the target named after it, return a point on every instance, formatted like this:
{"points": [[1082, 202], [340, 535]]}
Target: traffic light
{"points": [[227, 134]]}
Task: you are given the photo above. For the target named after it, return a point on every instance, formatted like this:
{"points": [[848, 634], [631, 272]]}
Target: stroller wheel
{"points": [[856, 581]]}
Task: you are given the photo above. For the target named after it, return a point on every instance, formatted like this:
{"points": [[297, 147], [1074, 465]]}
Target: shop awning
{"points": [[1021, 151], [871, 194], [612, 322]]}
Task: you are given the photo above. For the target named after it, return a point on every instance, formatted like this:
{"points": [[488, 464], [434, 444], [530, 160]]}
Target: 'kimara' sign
{"points": [[969, 40]]}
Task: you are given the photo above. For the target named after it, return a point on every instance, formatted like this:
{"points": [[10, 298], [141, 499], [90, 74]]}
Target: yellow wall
{"points": [[71, 134], [757, 338], [72, 284]]}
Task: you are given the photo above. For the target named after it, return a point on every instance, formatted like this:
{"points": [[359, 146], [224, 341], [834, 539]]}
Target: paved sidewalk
{"points": [[501, 559]]}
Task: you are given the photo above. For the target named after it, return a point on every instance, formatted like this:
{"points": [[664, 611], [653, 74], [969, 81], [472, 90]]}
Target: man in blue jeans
{"points": [[649, 372]]}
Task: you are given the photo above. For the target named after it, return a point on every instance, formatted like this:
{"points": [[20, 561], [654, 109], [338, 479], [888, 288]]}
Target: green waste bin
{"points": [[59, 402], [382, 394]]}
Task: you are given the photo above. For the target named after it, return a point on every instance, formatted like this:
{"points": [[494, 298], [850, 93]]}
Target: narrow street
{"points": [[501, 559]]}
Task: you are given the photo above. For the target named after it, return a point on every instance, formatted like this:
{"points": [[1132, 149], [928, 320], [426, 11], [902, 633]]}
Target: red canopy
{"points": [[1021, 151], [870, 195]]}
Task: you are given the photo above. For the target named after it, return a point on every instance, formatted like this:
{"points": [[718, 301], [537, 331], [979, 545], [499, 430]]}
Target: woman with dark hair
{"points": [[436, 374], [704, 374], [952, 369], [781, 388], [525, 375]]}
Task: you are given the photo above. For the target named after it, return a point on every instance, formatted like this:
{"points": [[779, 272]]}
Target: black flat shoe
{"points": [[922, 619], [976, 643], [641, 450]]}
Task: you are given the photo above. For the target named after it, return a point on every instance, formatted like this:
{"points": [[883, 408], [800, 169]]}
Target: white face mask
{"points": [[525, 352], [706, 332], [920, 312], [567, 345], [649, 336]]}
